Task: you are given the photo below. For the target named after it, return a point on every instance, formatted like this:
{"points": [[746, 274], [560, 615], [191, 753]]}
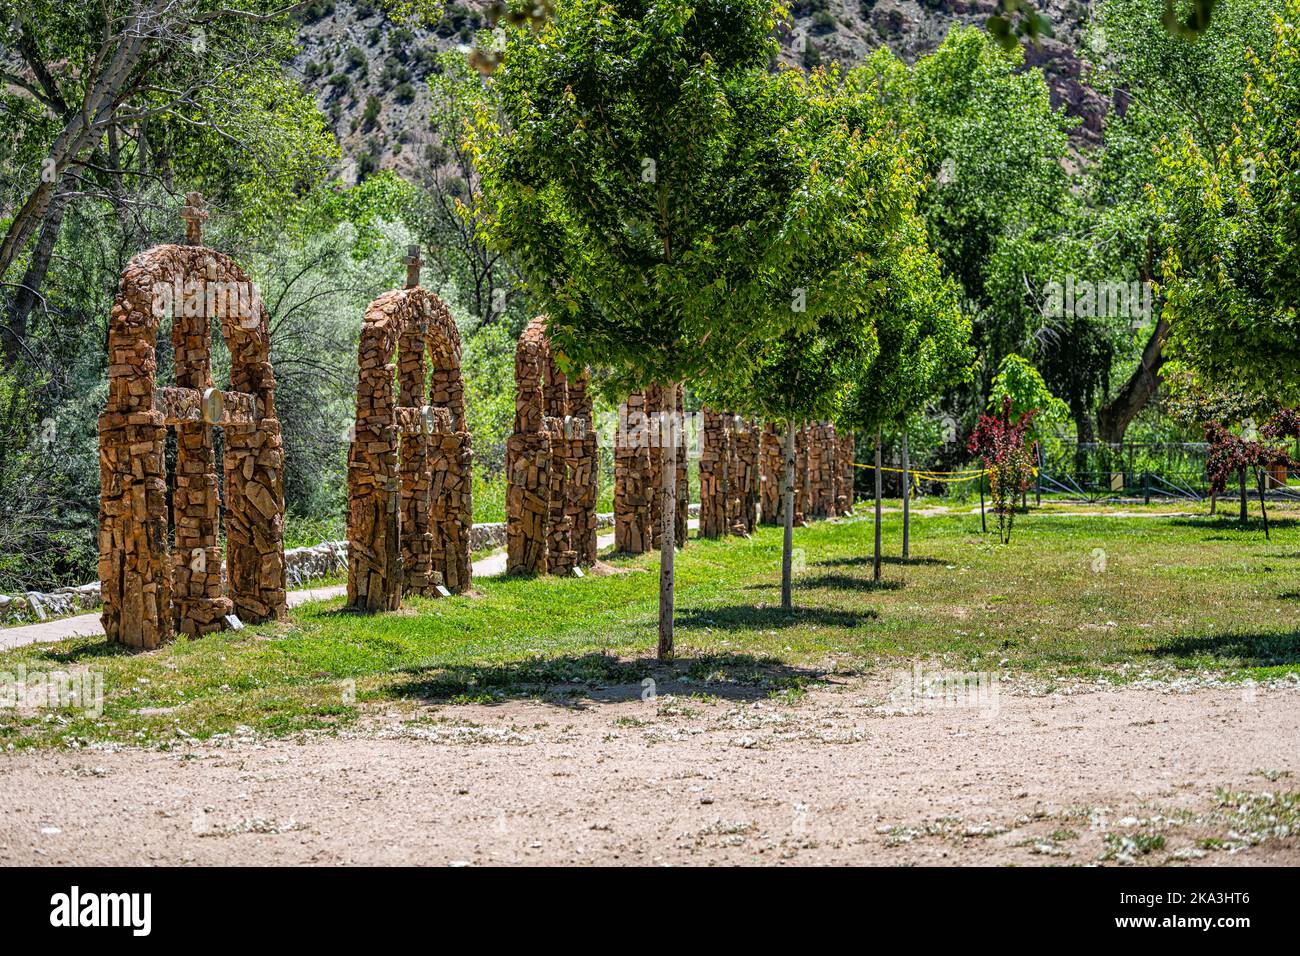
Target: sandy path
{"points": [[837, 776]]}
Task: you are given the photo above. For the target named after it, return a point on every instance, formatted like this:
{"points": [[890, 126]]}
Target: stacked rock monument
{"points": [[668, 431], [638, 467], [633, 488], [582, 455], [729, 475], [823, 471], [410, 510], [802, 475], [715, 462], [152, 588], [770, 456], [823, 452], [743, 476], [845, 473], [550, 464]]}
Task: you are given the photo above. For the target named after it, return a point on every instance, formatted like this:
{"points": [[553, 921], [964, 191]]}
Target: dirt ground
{"points": [[852, 771]]}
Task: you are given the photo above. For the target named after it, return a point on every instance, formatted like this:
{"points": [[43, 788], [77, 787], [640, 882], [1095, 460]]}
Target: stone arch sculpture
{"points": [[729, 468], [845, 473], [770, 455], [550, 464], [638, 473], [715, 461], [410, 509], [150, 589], [742, 476]]}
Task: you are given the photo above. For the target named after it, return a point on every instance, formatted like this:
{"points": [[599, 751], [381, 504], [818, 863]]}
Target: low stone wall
{"points": [[301, 566], [38, 605]]}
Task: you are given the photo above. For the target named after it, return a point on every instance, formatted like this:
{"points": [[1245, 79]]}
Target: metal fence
{"points": [[1097, 471], [1142, 470]]}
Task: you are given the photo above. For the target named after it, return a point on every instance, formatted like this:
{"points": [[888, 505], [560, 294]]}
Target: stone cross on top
{"points": [[413, 263], [195, 213]]}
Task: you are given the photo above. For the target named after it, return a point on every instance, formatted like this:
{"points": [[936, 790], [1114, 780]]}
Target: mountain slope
{"points": [[369, 73]]}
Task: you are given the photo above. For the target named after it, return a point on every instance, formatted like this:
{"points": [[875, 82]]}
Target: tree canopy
{"points": [[1230, 225]]}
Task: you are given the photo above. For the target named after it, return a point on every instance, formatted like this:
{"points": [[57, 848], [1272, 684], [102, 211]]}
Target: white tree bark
{"points": [[668, 437], [875, 564], [787, 504], [82, 129], [907, 500]]}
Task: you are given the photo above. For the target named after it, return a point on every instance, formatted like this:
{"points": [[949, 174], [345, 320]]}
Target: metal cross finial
{"points": [[195, 213], [413, 263]]}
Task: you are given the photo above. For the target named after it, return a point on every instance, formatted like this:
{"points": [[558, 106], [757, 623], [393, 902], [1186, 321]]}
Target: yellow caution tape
{"points": [[933, 475], [939, 476]]}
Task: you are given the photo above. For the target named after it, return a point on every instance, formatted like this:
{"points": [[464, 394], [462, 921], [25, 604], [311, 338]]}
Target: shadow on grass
{"points": [[1250, 649], [97, 648], [847, 582], [575, 680], [1231, 523], [865, 560], [750, 617]]}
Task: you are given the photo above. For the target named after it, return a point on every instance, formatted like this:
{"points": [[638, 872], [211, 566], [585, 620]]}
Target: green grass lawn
{"points": [[1176, 595]]}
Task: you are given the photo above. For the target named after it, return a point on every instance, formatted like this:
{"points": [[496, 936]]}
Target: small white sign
{"points": [[234, 623], [577, 572], [442, 591]]}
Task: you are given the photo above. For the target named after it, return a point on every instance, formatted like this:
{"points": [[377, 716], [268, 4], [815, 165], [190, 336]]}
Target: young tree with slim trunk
{"points": [[672, 202], [802, 377], [998, 193], [924, 347]]}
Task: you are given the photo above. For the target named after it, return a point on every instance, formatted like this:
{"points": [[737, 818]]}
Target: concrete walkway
{"points": [[88, 625]]}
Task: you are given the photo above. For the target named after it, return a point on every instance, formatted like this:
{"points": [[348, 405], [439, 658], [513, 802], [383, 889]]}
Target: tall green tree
{"points": [[1230, 217], [800, 377], [998, 203], [114, 100], [925, 347], [1162, 85], [446, 210], [672, 202]]}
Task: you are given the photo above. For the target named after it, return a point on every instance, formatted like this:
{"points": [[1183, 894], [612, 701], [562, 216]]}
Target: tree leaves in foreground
{"points": [[672, 203]]}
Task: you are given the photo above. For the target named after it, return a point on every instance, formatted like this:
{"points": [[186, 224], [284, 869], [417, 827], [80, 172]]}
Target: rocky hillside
{"points": [[369, 73]]}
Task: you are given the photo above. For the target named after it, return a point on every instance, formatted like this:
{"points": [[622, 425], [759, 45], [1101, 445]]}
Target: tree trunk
{"points": [[787, 503], [668, 514], [82, 130], [1241, 482], [26, 297], [984, 525], [907, 500], [1083, 435], [1263, 510], [875, 564], [1038, 476], [1114, 417]]}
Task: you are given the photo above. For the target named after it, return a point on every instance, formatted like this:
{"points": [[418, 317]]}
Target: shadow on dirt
{"points": [[578, 680]]}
